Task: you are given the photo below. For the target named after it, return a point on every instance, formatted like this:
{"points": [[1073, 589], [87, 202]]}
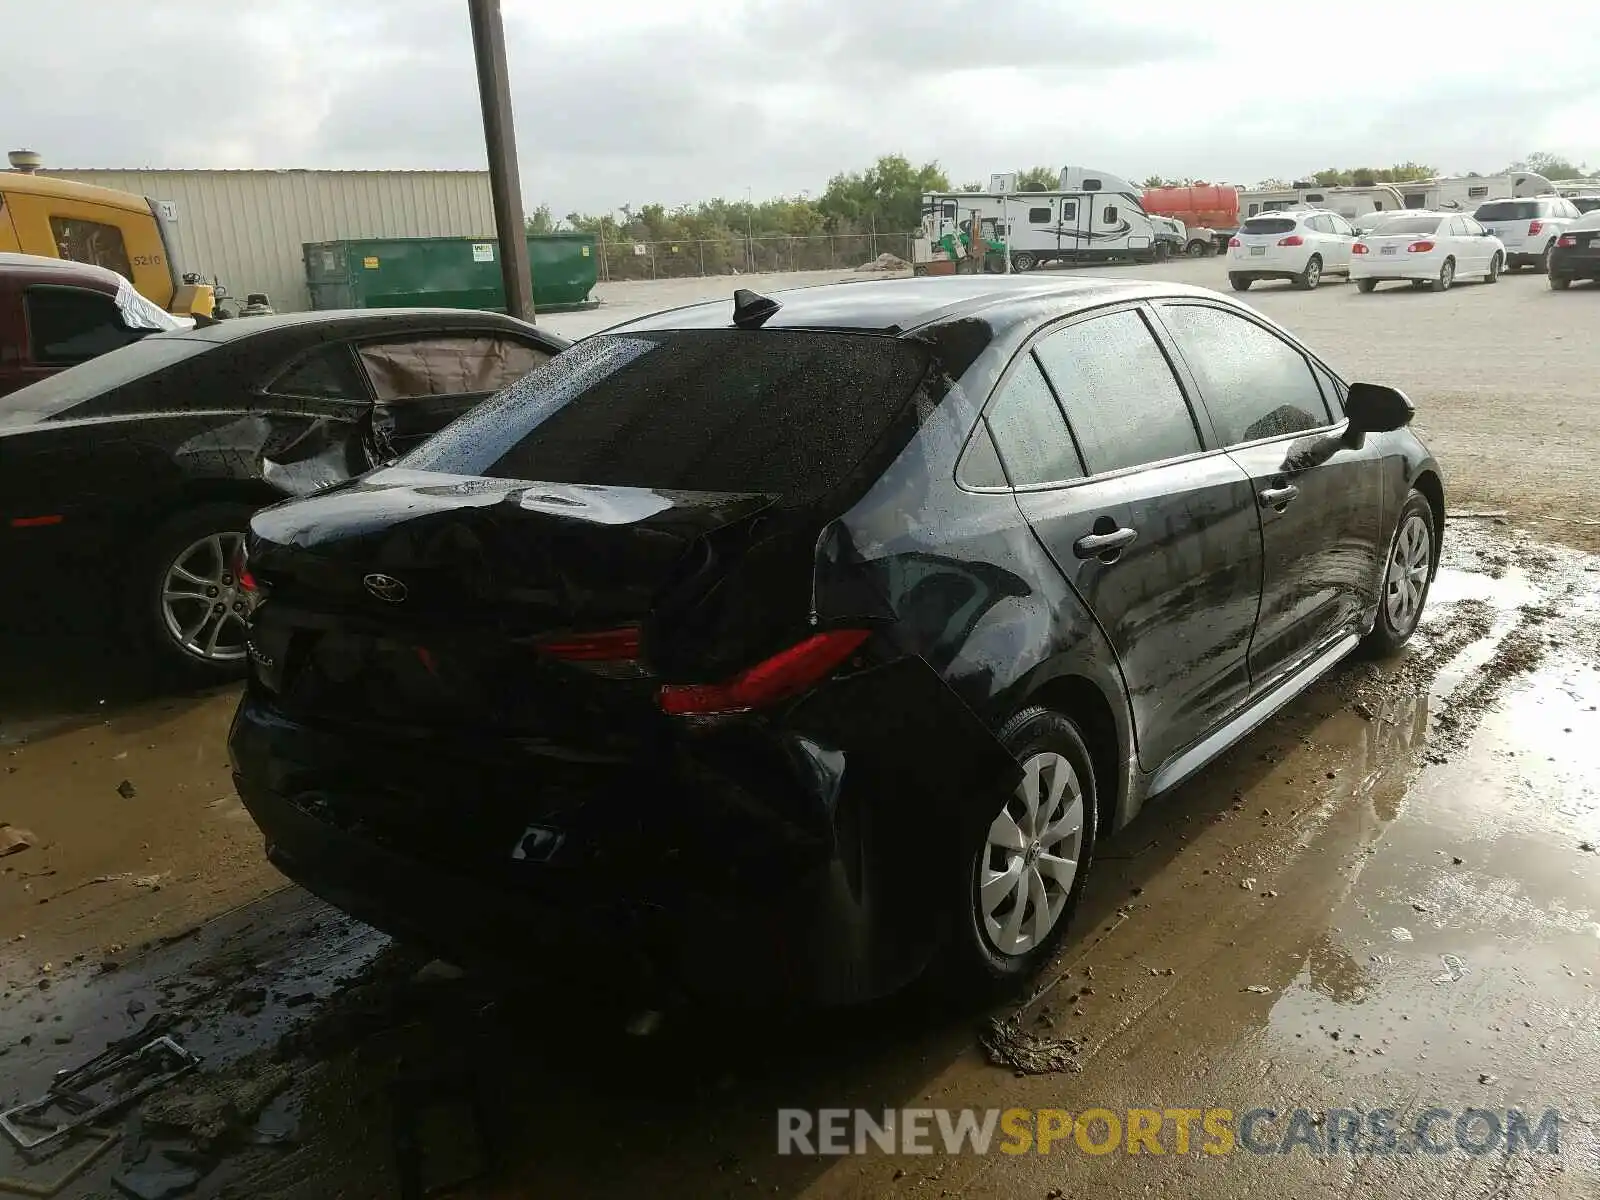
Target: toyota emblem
{"points": [[385, 587]]}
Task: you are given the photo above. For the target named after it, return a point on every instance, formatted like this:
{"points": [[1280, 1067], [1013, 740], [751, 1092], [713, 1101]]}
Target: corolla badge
{"points": [[385, 587]]}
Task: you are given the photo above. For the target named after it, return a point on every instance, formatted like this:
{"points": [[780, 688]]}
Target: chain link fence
{"points": [[743, 256]]}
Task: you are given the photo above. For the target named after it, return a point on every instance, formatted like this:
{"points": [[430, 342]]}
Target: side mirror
{"points": [[1374, 408]]}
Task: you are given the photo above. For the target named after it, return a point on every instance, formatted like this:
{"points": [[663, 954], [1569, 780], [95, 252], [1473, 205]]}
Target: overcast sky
{"points": [[681, 100]]}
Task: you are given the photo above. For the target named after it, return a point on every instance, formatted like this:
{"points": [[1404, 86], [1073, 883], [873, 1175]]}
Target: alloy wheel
{"points": [[1031, 857], [202, 605], [1406, 581]]}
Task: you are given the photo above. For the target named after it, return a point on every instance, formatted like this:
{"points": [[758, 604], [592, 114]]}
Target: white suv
{"points": [[1529, 227], [1302, 245]]}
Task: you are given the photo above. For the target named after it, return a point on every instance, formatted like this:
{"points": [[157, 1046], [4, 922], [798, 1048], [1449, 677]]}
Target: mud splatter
{"points": [[1006, 1044]]}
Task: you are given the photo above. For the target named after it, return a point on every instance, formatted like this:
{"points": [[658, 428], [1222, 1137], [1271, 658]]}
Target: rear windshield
{"points": [[1586, 204], [789, 412], [1268, 225], [55, 394], [1405, 225], [1508, 210]]}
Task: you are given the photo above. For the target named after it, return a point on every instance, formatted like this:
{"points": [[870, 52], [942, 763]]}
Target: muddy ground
{"points": [[1388, 896]]}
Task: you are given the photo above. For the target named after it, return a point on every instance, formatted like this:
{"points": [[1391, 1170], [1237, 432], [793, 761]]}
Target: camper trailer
{"points": [[1463, 193], [1348, 202], [1093, 217]]}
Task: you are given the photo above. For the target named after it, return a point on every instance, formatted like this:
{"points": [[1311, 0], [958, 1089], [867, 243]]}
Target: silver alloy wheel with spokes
{"points": [[1031, 860], [201, 602], [1407, 577]]}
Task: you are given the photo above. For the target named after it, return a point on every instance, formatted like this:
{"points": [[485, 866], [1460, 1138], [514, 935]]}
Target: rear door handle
{"points": [[1279, 496], [1092, 545]]}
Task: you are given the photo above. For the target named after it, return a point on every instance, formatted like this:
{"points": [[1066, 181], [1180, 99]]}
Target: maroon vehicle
{"points": [[55, 314]]}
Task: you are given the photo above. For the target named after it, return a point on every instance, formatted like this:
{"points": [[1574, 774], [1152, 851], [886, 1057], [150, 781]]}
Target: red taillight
{"points": [[1534, 227], [1419, 247], [1566, 241], [785, 674], [606, 645], [1358, 248], [1232, 242], [36, 522], [1294, 239]]}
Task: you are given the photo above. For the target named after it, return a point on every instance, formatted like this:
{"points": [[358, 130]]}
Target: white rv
{"points": [[1093, 217], [1348, 202], [1463, 193]]}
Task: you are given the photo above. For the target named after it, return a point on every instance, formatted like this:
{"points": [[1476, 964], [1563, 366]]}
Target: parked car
{"points": [[1426, 250], [1577, 253], [798, 643], [55, 314], [130, 478], [1527, 228], [1301, 245]]}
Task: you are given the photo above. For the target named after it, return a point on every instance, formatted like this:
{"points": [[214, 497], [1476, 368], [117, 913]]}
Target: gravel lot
{"points": [[1502, 375]]}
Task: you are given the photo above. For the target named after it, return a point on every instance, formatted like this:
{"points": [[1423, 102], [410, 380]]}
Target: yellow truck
{"points": [[57, 218]]}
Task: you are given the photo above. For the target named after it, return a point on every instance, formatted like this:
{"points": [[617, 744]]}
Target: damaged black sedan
{"points": [[798, 644], [126, 482]]}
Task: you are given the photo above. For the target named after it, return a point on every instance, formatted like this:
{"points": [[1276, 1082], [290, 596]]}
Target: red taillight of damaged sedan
{"points": [[781, 677]]}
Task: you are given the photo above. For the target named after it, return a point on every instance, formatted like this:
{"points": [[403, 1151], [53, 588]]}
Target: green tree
{"points": [[1038, 179], [1551, 166], [886, 196], [973, 185], [540, 220], [1154, 181]]}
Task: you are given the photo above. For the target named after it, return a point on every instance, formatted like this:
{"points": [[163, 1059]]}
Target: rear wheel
{"points": [[1447, 276], [187, 610], [1544, 259], [1024, 880], [1559, 283], [1413, 558], [1308, 279], [1241, 283], [920, 269], [1023, 261], [1198, 248], [1494, 270], [1366, 285]]}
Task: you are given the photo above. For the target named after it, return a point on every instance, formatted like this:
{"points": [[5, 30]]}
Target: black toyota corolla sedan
{"points": [[802, 642], [127, 480]]}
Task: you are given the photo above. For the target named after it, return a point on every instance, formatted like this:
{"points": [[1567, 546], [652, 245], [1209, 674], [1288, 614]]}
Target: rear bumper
{"points": [[767, 862], [1394, 267], [1267, 266], [1569, 265]]}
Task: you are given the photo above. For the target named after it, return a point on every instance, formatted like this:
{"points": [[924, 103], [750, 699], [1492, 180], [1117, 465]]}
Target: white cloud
{"points": [[677, 100]]}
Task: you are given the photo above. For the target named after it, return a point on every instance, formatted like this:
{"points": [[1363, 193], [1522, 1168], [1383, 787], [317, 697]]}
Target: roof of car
{"points": [[39, 267], [375, 320], [900, 305]]}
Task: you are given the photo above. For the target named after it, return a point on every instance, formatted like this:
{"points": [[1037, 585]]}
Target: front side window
{"points": [[91, 242], [1119, 393], [436, 365], [72, 325], [1255, 384], [1028, 430]]}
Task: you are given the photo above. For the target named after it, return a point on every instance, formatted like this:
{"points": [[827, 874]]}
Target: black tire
{"points": [[1198, 248], [1366, 285], [1549, 253], [1389, 632], [920, 269], [975, 960], [1559, 283], [146, 612], [1241, 283], [1023, 261], [1308, 279], [1495, 266], [1447, 276]]}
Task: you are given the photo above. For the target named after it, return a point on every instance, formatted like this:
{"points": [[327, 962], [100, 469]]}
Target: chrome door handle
{"points": [[1278, 497], [1092, 545]]}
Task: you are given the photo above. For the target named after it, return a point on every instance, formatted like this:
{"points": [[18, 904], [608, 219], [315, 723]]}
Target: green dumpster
{"points": [[446, 272]]}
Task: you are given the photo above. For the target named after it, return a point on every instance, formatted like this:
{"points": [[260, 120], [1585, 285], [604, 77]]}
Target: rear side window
{"points": [[70, 325], [91, 242], [1256, 385], [1508, 210], [1268, 225], [787, 412], [1029, 431], [1120, 396], [326, 373], [446, 366]]}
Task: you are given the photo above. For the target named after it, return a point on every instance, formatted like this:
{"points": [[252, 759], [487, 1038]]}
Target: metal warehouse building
{"points": [[246, 227]]}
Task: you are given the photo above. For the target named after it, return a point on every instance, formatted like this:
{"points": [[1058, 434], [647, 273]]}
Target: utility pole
{"points": [[494, 91]]}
